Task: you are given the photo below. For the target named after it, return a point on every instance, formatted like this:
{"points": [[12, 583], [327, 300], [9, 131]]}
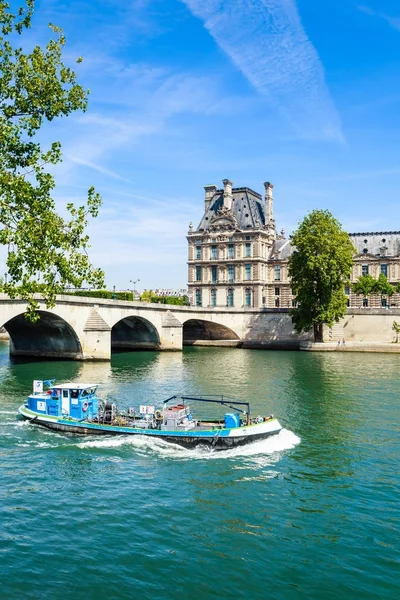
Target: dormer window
{"points": [[365, 250]]}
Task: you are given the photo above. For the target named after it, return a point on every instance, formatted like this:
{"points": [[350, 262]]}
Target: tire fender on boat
{"points": [[158, 415], [85, 406]]}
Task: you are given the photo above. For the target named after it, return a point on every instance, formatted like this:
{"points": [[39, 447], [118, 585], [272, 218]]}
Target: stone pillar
{"points": [[171, 334], [228, 198], [210, 191], [269, 209]]}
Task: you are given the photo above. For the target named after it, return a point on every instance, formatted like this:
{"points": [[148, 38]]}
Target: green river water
{"points": [[311, 513]]}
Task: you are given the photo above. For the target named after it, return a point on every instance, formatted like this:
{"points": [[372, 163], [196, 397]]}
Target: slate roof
{"points": [[247, 207], [281, 250], [378, 243]]}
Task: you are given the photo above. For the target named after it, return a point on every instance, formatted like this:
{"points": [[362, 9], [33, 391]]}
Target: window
{"points": [[248, 250], [247, 272], [347, 290], [214, 274], [277, 273], [277, 291], [383, 302], [348, 302], [294, 303], [229, 299], [231, 251], [198, 251], [214, 252], [364, 270], [384, 270], [247, 297], [231, 273], [198, 273], [214, 297], [230, 239], [365, 302], [198, 297], [276, 302], [248, 237]]}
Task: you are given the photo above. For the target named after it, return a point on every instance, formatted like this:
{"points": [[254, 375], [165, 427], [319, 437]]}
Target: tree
{"points": [[45, 251], [319, 268], [365, 286], [384, 287], [396, 329]]}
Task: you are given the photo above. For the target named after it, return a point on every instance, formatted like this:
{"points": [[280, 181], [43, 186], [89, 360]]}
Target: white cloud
{"points": [[392, 21], [267, 42]]}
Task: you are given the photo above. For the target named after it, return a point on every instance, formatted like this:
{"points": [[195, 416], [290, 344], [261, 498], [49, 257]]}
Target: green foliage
{"points": [[103, 294], [365, 286], [383, 286], [45, 251], [319, 268], [396, 329], [149, 296]]}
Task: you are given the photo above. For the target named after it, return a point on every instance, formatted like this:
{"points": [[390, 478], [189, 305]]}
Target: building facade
{"points": [[236, 258]]}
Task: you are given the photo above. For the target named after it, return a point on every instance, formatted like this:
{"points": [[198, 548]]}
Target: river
{"points": [[311, 513]]}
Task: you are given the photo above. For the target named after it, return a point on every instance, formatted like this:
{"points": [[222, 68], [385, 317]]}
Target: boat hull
{"points": [[218, 439]]}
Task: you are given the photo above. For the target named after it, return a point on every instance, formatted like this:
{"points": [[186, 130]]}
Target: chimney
{"points": [[269, 202], [228, 198], [210, 191]]}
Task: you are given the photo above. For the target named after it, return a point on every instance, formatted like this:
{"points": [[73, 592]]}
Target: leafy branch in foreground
{"points": [[45, 251]]}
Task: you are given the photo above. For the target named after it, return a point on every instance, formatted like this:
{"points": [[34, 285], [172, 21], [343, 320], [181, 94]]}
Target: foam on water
{"points": [[285, 440]]}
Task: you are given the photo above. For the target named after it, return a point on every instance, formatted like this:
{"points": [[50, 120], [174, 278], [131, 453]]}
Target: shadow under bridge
{"points": [[197, 332], [134, 333], [49, 337]]}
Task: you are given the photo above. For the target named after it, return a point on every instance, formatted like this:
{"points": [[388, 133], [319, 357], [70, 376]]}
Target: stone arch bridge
{"points": [[90, 328]]}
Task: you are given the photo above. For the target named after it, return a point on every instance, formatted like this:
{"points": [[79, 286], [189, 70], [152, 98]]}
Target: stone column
{"points": [[228, 198], [209, 193]]}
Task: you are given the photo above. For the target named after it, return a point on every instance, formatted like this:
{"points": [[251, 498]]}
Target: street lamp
{"points": [[134, 283]]}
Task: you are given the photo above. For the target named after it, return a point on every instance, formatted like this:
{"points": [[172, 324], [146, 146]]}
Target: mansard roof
{"points": [[377, 243], [282, 249], [247, 208]]}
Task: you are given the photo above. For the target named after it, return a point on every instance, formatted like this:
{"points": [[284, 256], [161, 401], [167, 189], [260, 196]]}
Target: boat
{"points": [[75, 408]]}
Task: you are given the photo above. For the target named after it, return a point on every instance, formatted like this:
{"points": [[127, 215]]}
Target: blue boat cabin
{"points": [[75, 400]]}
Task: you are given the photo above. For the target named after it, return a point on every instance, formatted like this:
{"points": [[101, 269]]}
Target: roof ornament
{"points": [[190, 226]]}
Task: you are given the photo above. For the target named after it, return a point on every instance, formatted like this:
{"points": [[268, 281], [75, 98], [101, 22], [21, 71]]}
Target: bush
{"points": [[103, 294]]}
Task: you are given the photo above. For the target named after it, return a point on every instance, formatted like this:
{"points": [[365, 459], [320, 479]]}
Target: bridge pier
{"points": [[171, 334], [96, 338]]}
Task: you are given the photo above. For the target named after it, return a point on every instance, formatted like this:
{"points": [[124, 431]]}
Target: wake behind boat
{"points": [[75, 408]]}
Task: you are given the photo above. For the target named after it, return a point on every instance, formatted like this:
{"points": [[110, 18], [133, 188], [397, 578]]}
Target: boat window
{"points": [[65, 393], [74, 393]]}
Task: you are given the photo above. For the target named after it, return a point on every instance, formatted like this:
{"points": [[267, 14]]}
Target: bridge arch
{"points": [[202, 332], [49, 337], [134, 333]]}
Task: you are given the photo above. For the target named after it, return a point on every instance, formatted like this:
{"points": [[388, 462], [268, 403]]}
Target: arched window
{"points": [[198, 297], [213, 297], [247, 297], [229, 297]]}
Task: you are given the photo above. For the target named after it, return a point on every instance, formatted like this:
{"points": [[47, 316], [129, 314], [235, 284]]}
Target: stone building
{"points": [[237, 259]]}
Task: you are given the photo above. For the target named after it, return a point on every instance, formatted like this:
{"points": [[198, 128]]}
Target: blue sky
{"points": [[187, 92]]}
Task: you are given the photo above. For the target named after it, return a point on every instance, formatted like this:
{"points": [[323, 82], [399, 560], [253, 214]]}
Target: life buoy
{"points": [[85, 406], [158, 415]]}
